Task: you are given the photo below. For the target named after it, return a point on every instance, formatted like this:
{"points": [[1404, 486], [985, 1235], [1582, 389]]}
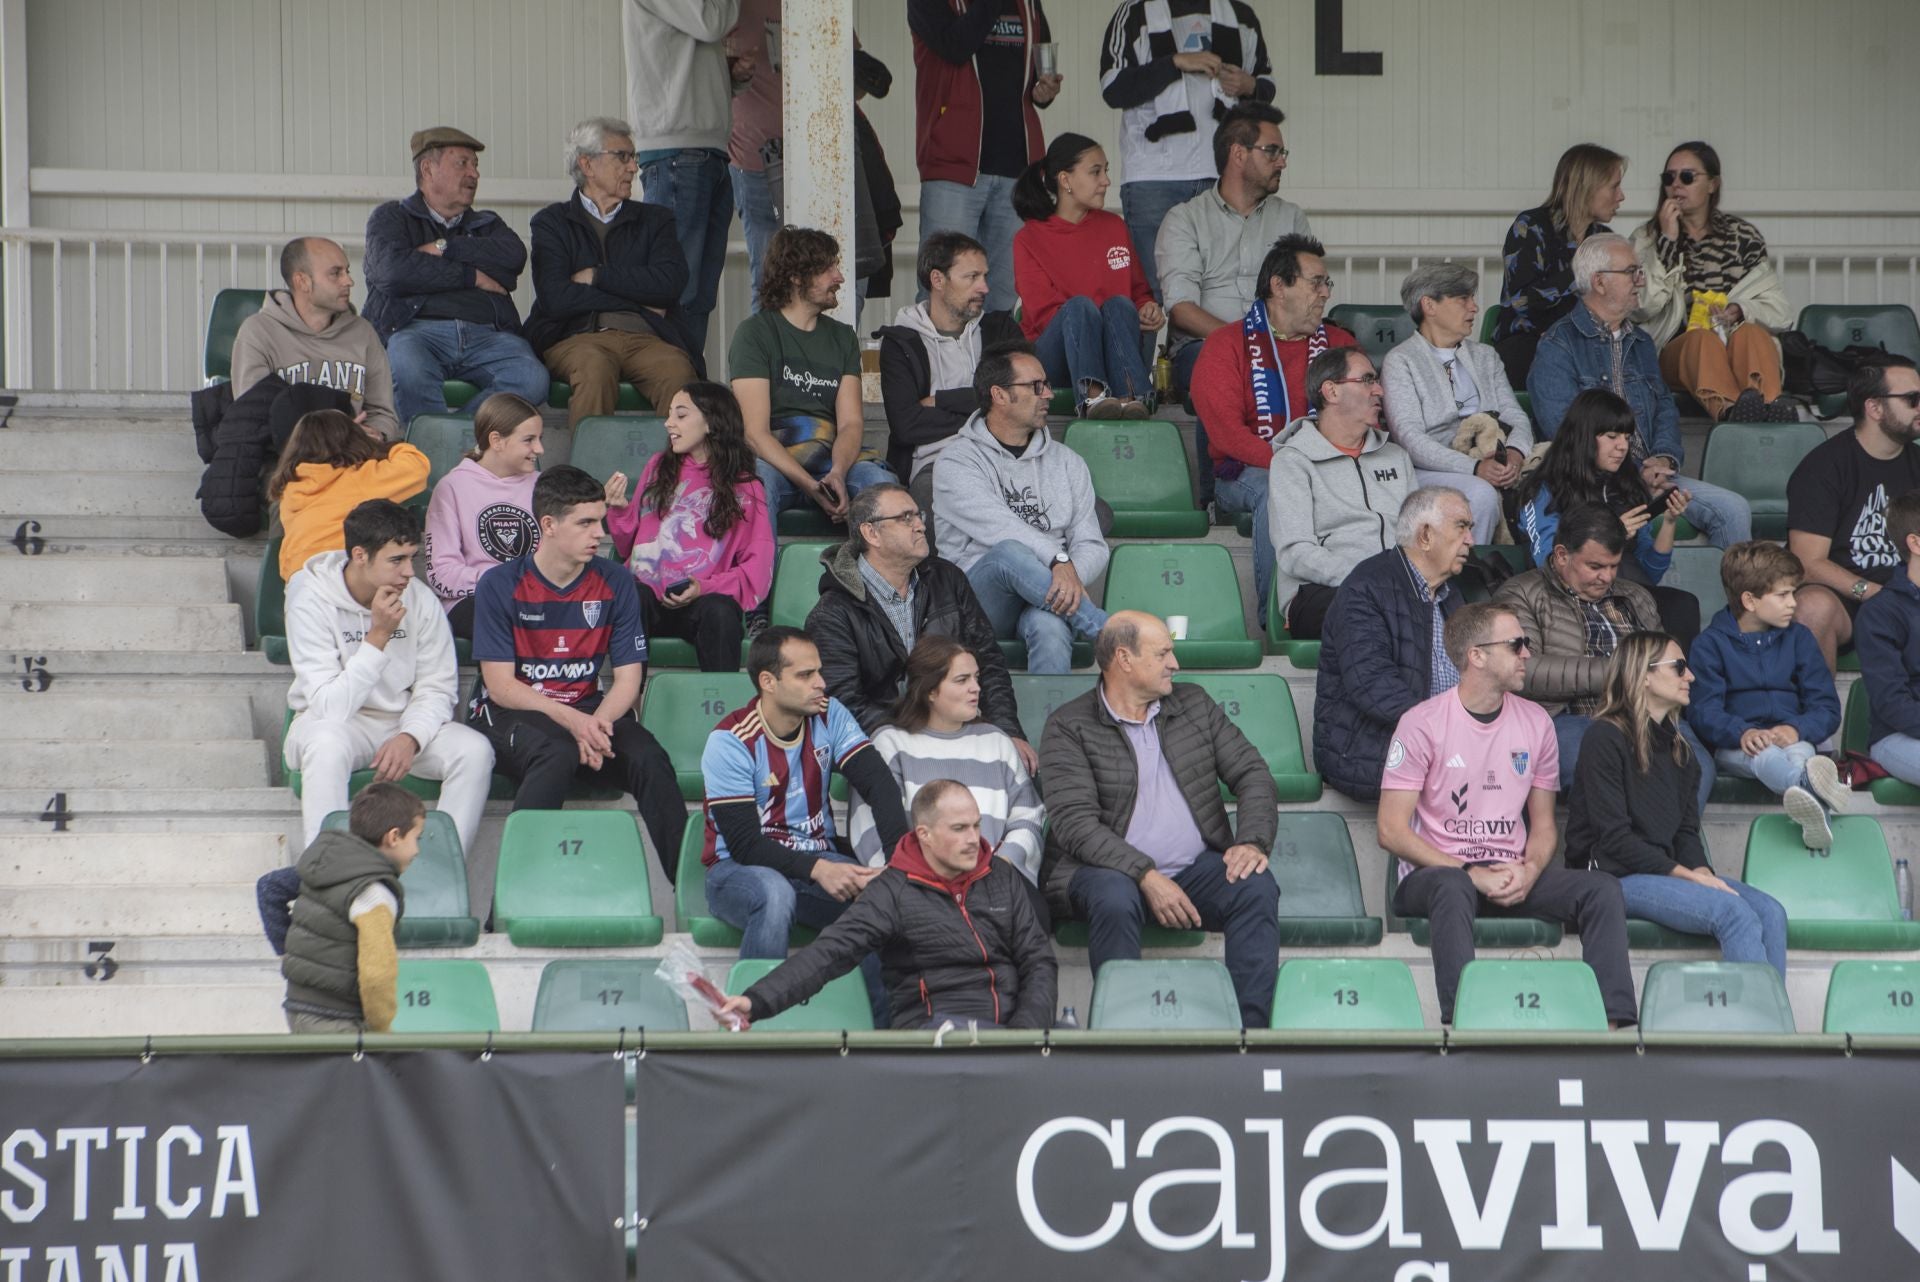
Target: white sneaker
{"points": [[1823, 777], [1805, 809]]}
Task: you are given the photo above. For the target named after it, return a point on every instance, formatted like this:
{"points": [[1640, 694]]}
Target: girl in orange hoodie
{"points": [[330, 466]]}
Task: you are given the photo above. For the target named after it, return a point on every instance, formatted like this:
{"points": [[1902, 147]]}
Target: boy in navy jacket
{"points": [[1886, 636]]}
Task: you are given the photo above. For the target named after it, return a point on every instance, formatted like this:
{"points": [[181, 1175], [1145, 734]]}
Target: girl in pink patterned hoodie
{"points": [[697, 538], [481, 512]]}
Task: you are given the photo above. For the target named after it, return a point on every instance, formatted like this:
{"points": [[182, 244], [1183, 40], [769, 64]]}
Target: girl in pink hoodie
{"points": [[697, 538], [482, 511]]}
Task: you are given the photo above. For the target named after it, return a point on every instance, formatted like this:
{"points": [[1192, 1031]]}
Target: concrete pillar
{"points": [[816, 58], [14, 166]]}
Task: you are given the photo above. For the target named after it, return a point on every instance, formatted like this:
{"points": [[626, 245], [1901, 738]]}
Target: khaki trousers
{"points": [[595, 364], [1716, 372]]}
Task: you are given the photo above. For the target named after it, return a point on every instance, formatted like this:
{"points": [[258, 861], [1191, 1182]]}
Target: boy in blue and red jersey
{"points": [[546, 626]]}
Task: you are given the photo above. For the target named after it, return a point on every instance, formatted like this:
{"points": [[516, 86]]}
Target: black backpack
{"points": [[1808, 369]]}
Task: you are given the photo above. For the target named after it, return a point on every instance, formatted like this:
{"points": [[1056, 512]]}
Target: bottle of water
{"points": [[1068, 1019], [1903, 887]]}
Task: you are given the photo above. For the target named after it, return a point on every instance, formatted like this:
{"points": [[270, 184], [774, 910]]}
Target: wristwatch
{"points": [[1859, 589], [440, 246], [1061, 558]]}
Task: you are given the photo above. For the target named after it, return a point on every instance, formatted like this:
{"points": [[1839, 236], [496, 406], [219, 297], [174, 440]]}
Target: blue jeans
{"points": [[983, 211], [753, 197], [426, 353], [1248, 911], [1146, 205], [782, 495], [1750, 924], [1247, 492], [1184, 359], [1012, 586], [693, 184], [1778, 768], [1900, 754], [1086, 343], [763, 904], [1717, 512], [1569, 728]]}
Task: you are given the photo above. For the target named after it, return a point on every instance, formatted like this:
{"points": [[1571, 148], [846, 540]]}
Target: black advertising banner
{"points": [[427, 1165], [1480, 1165]]}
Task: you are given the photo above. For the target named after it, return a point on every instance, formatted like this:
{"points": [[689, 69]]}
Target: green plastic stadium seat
{"points": [[444, 439], [1301, 654], [1512, 554], [1165, 996], [425, 789], [1529, 996], [270, 606], [1488, 320], [1014, 651], [1065, 404], [560, 395], [231, 307], [1073, 934], [1364, 993], [1488, 932], [1715, 997], [1697, 570], [1855, 730], [1731, 791], [436, 913], [1037, 695], [1379, 327], [1141, 470], [1261, 705], [680, 708], [574, 879], [604, 994], [608, 443], [457, 394], [1869, 998], [1320, 901], [807, 521], [1841, 899], [1754, 460], [1886, 325], [796, 583], [841, 1005], [1192, 579], [445, 996], [691, 913]]}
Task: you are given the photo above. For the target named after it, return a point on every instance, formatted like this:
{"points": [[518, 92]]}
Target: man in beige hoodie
{"points": [[309, 333]]}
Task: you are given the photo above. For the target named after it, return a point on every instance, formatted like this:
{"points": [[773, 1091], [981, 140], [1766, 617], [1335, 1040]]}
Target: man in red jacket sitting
{"points": [[956, 932], [1251, 381]]}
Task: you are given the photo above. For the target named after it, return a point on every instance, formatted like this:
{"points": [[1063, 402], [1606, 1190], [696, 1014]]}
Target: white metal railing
{"points": [[72, 293]]}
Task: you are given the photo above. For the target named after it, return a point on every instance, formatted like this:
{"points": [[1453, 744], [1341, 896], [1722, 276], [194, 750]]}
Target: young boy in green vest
{"points": [[341, 969]]}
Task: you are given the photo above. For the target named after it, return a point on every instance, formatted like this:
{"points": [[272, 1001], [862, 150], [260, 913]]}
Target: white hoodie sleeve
{"points": [[326, 685], [436, 674]]}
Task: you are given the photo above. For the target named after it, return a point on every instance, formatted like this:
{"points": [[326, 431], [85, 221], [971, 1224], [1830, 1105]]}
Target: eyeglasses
{"points": [[1365, 380], [1522, 644], [1679, 666], [914, 517], [1038, 386], [1319, 284], [1684, 177], [1636, 271], [1272, 151], [624, 157], [1912, 399]]}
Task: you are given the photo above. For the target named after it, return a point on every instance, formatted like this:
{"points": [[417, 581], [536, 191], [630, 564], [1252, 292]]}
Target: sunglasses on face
{"points": [[1912, 399], [1519, 644], [1679, 666], [1680, 177]]}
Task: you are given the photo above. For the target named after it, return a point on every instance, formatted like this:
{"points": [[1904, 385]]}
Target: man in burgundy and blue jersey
{"points": [[772, 854], [546, 625]]}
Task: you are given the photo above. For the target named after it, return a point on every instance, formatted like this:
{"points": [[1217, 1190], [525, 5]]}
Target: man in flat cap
{"points": [[440, 277]]}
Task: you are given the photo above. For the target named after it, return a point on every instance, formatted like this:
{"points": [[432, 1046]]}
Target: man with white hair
{"points": [[440, 278], [1384, 647], [608, 272], [1596, 345]]}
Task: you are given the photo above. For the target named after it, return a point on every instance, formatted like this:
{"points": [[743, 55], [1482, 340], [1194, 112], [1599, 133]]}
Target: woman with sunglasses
{"points": [[1711, 297], [1635, 811]]}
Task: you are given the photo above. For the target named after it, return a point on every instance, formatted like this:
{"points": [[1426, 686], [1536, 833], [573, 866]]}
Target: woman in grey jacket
{"points": [[1445, 392]]}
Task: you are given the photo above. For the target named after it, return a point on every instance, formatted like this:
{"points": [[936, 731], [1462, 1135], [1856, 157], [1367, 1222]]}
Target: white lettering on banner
{"points": [[1477, 1225], [178, 1193], [63, 1263]]}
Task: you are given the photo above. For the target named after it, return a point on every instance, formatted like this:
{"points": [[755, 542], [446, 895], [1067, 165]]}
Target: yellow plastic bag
{"points": [[1705, 303]]}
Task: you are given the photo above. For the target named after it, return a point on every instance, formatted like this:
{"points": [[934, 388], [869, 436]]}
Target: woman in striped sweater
{"points": [[937, 733]]}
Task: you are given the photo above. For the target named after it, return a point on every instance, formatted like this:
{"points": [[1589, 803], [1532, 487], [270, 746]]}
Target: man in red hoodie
{"points": [[954, 926]]}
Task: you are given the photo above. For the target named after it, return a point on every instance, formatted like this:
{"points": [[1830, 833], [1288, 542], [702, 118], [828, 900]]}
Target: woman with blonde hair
{"points": [[1537, 287], [481, 513], [1635, 810]]}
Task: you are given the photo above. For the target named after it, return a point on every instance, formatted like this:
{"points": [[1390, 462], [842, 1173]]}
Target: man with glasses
{"points": [[1334, 491], [882, 591], [1597, 345], [607, 278], [1466, 803], [1015, 509], [440, 278], [1576, 609], [1837, 501]]}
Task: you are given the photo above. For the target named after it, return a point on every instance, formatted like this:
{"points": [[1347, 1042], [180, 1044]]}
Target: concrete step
{"points": [[104, 912], [114, 580], [107, 447], [121, 1008], [102, 493], [138, 763], [61, 713], [49, 627], [111, 861], [180, 534]]}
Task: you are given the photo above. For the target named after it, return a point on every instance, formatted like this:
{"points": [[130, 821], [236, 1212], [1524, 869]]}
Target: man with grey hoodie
{"points": [[1335, 488], [309, 333], [1014, 509]]}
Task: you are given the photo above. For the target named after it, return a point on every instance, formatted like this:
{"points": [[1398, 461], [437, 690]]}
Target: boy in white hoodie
{"points": [[375, 680]]}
